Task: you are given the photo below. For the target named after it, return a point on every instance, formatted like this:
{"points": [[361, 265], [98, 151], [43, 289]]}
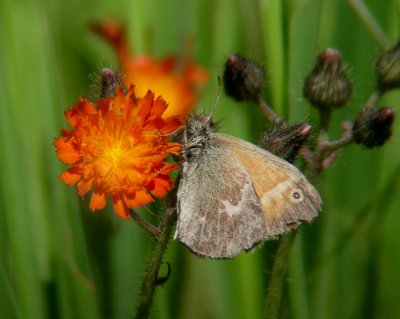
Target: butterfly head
{"points": [[196, 134], [200, 124]]}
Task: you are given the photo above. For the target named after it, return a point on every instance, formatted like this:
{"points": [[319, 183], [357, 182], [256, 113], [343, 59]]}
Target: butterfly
{"points": [[233, 195]]}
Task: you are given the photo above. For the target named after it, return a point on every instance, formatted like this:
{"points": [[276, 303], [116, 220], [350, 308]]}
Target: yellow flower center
{"points": [[109, 163], [113, 154]]}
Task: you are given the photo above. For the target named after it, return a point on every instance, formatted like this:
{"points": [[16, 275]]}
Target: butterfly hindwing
{"points": [[285, 194]]}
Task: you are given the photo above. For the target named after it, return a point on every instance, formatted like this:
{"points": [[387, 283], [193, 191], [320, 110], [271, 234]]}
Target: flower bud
{"points": [[287, 142], [387, 69], [109, 81], [243, 79], [373, 127], [328, 85]]}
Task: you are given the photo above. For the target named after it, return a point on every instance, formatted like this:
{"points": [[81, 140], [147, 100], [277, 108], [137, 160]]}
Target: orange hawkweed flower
{"points": [[174, 79], [118, 148]]}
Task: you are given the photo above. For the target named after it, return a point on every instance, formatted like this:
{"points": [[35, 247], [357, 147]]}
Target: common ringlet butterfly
{"points": [[233, 195]]}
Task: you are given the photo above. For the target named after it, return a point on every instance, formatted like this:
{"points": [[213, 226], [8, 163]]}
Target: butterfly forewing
{"points": [[219, 213]]}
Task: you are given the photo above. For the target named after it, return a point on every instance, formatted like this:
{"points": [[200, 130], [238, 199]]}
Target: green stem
{"points": [[150, 228], [151, 279], [373, 99], [271, 12], [370, 22], [278, 275], [315, 167], [325, 117]]}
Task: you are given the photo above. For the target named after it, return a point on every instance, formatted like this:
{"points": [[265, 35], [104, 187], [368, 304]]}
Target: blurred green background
{"points": [[58, 260]]}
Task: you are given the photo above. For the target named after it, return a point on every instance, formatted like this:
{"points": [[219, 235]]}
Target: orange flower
{"points": [[118, 148], [174, 79]]}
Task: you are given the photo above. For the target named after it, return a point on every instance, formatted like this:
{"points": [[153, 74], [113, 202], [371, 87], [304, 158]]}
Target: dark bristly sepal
{"points": [[109, 81], [286, 142], [373, 127], [328, 85], [387, 69], [243, 79]]}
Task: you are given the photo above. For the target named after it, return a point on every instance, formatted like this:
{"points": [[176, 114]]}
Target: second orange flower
{"points": [[175, 79]]}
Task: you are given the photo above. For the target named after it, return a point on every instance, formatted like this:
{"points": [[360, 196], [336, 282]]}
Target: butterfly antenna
{"points": [[216, 98]]}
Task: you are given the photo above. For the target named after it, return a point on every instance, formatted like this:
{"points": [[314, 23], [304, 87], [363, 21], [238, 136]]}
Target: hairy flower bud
{"points": [[373, 127], [287, 142], [387, 69], [109, 81], [243, 79], [328, 85]]}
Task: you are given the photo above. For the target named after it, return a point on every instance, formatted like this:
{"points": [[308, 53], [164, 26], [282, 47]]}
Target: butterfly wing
{"points": [[285, 194], [219, 213]]}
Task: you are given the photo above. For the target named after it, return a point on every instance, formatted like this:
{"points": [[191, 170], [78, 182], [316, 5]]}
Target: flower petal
{"points": [[84, 186], [79, 112], [171, 125], [120, 207], [97, 200], [160, 105], [66, 151], [69, 177], [160, 186], [145, 105], [137, 199]]}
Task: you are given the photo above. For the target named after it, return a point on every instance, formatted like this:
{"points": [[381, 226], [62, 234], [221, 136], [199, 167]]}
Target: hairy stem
{"points": [[144, 224], [151, 279], [269, 113], [278, 275]]}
